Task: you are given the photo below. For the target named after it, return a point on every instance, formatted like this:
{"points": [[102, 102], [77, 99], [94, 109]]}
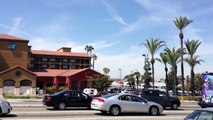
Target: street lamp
{"points": [[120, 73]]}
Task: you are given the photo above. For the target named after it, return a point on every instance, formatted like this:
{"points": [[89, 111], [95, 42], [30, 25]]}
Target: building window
{"points": [[52, 60], [25, 83], [32, 58], [12, 46], [73, 67], [44, 59], [64, 66], [73, 60], [52, 66], [9, 83], [44, 66], [65, 60]]}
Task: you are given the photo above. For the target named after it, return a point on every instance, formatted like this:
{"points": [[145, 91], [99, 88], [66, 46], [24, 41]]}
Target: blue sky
{"points": [[115, 28]]}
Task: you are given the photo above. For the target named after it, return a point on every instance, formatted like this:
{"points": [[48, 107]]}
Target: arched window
{"points": [[9, 83], [26, 83]]}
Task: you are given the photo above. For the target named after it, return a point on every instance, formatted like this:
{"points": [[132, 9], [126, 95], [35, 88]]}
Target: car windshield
{"points": [[109, 95]]}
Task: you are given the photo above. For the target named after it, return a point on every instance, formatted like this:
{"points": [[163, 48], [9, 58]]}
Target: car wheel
{"points": [[153, 110], [61, 106], [114, 110], [104, 112], [174, 106]]}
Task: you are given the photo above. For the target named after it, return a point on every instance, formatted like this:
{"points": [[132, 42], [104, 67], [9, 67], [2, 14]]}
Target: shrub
{"points": [[50, 90], [62, 88]]}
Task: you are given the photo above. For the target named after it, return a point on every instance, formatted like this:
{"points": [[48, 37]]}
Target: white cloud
{"points": [[17, 21], [15, 28], [113, 13]]}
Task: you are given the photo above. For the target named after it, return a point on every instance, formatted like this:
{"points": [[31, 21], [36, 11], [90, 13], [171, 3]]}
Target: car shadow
{"points": [[69, 108], [8, 115], [128, 114]]}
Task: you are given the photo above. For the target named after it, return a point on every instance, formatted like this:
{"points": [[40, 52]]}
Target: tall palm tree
{"points": [[137, 75], [89, 49], [153, 45], [181, 23], [173, 57], [163, 59], [94, 57], [192, 59]]}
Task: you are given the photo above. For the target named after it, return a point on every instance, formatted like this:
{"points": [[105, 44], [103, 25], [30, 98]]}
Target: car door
{"points": [[139, 104], [82, 100], [125, 103], [164, 99], [71, 99]]}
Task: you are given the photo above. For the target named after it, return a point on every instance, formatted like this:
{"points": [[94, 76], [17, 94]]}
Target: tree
{"points": [[100, 82], [147, 78], [198, 82], [192, 59], [181, 23], [106, 70], [173, 57], [89, 49], [153, 45], [137, 75], [130, 80], [163, 59], [94, 57]]}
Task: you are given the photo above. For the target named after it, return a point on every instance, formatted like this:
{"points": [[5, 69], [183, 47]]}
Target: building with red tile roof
{"points": [[26, 71]]}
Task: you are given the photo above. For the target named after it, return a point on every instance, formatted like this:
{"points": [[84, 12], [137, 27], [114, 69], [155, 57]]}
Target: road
{"points": [[35, 111]]}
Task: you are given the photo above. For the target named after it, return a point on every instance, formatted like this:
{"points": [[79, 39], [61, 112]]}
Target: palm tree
{"points": [[153, 45], [192, 60], [181, 23], [94, 57], [130, 80], [137, 75], [163, 59], [173, 57], [89, 49], [106, 70]]}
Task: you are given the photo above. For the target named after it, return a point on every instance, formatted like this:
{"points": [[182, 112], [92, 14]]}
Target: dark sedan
{"points": [[68, 98]]}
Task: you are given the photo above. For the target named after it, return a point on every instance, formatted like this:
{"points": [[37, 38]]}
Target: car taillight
{"points": [[49, 98], [99, 99]]}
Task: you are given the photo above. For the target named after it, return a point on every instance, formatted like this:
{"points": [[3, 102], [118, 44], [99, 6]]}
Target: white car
{"points": [[5, 107], [90, 91], [119, 103]]}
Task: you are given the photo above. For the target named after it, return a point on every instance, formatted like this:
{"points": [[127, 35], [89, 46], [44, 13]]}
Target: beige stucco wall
{"points": [[18, 78]]}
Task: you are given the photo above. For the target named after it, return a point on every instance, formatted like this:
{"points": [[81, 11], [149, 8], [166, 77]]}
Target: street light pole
{"points": [[120, 73]]}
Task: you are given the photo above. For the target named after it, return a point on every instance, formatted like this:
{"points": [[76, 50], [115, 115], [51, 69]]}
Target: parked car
{"points": [[200, 114], [161, 98], [68, 98], [5, 107], [90, 91], [117, 103]]}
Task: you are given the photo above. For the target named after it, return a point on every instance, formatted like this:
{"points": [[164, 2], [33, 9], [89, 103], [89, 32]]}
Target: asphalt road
{"points": [[29, 110]]}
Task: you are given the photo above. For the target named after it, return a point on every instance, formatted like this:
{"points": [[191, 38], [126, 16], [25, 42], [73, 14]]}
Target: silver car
{"points": [[5, 107], [200, 114], [119, 103]]}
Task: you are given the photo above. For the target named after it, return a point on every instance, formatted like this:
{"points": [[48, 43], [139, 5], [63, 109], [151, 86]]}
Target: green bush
{"points": [[62, 88], [196, 98], [12, 96], [50, 90]]}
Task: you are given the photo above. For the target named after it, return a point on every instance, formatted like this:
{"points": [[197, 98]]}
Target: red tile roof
{"points": [[57, 72], [55, 53], [10, 37], [17, 66]]}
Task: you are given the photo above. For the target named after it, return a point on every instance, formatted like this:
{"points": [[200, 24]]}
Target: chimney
{"points": [[64, 49]]}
